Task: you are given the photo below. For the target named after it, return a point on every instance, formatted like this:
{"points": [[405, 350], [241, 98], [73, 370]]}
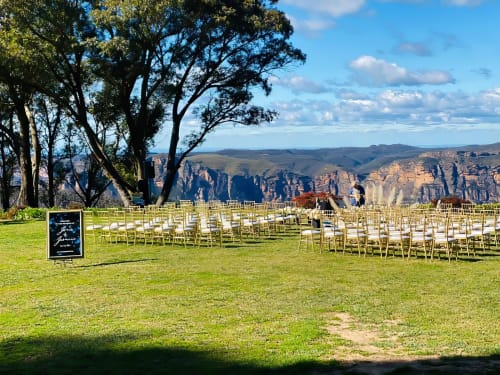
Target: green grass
{"points": [[261, 307]]}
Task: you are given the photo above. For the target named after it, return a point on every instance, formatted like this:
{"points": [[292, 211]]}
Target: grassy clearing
{"points": [[261, 307]]}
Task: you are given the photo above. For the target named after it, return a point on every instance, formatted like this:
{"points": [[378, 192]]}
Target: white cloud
{"points": [[311, 26], [409, 108], [298, 84], [368, 70], [336, 8]]}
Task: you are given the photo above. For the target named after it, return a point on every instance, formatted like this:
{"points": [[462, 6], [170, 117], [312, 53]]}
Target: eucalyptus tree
{"points": [[58, 36], [156, 64], [15, 66], [174, 59], [132, 60]]}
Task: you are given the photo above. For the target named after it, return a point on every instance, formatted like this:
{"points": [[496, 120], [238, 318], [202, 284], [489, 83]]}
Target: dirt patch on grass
{"points": [[370, 351], [364, 341]]}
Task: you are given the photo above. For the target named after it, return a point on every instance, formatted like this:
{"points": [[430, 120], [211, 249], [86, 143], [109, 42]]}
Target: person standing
{"points": [[356, 194]]}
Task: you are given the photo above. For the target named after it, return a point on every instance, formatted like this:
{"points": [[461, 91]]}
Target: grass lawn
{"points": [[256, 308]]}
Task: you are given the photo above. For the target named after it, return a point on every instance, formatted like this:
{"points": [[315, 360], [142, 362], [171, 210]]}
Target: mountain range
{"points": [[389, 173]]}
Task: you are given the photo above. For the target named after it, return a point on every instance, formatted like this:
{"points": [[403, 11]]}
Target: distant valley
{"points": [[388, 172]]}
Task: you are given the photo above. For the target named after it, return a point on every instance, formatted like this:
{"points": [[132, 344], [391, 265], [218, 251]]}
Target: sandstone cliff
{"points": [[389, 173]]}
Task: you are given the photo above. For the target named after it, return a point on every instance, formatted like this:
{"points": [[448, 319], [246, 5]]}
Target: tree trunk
{"points": [[7, 167], [23, 150], [172, 164], [121, 186], [50, 183], [37, 152], [26, 194]]}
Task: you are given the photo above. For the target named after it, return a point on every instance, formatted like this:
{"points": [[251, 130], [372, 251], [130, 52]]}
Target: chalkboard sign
{"points": [[65, 234]]}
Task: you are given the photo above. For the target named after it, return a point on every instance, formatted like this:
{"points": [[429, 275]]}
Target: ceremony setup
{"points": [[254, 187], [401, 231]]}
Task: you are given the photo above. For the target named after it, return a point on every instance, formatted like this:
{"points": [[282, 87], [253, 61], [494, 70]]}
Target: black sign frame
{"points": [[65, 234]]}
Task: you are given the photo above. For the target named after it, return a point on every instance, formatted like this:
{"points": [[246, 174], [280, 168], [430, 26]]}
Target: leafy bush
{"points": [[31, 213]]}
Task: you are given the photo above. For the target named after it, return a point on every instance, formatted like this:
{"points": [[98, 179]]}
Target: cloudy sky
{"points": [[417, 72]]}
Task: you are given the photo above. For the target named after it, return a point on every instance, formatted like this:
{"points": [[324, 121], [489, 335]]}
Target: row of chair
{"points": [[400, 231], [185, 224], [405, 233]]}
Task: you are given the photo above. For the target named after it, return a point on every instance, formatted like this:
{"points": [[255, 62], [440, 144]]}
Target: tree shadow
{"points": [[116, 262], [57, 355]]}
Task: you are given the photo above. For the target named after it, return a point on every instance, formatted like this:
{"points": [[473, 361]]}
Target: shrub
{"points": [[31, 213]]}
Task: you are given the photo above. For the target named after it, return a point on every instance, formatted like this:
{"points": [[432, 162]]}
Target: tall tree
{"points": [[19, 96], [227, 49], [132, 59], [193, 57], [155, 64], [61, 36]]}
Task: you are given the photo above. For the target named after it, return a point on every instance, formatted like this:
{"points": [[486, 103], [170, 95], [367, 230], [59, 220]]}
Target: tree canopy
{"points": [[130, 68]]}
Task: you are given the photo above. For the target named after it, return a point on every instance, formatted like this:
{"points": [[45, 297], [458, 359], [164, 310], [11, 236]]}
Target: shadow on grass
{"points": [[111, 355], [116, 262]]}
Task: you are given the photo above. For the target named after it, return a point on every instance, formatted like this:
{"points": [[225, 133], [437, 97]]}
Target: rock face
{"points": [[389, 174], [467, 175]]}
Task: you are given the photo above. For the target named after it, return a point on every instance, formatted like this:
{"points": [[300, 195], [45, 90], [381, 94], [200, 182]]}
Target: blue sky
{"points": [[416, 72]]}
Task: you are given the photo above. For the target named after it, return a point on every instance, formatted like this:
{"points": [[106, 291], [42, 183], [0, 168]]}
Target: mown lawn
{"points": [[259, 307]]}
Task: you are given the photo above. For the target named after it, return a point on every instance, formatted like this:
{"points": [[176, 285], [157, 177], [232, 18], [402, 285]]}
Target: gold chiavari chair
{"points": [[93, 224], [443, 239], [186, 226], [355, 237], [229, 224], [420, 234], [208, 231], [309, 236], [461, 224], [480, 233], [333, 231], [110, 228], [398, 233], [126, 228], [249, 226], [377, 234], [496, 234]]}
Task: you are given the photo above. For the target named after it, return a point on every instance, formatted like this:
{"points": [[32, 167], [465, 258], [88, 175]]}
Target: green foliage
{"points": [[137, 66], [31, 213], [252, 308], [490, 206], [24, 213]]}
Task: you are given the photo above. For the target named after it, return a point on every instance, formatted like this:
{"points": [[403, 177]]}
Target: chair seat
{"points": [[310, 232]]}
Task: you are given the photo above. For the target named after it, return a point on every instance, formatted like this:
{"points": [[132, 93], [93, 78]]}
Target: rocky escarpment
{"points": [[432, 175], [419, 175]]}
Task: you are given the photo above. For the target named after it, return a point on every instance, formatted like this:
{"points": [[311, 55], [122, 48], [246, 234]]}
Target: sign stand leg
{"points": [[63, 262]]}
